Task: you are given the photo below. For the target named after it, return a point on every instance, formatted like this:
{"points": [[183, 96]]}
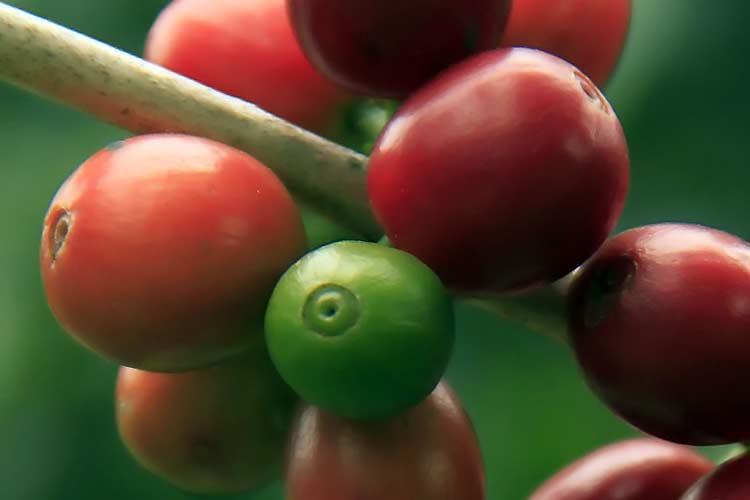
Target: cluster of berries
{"points": [[504, 169]]}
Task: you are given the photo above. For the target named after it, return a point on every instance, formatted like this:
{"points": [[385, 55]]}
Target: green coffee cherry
{"points": [[361, 330]]}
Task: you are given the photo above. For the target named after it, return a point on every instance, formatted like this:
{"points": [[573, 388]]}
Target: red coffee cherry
{"points": [[637, 469], [588, 33], [659, 321], [160, 252], [246, 49], [212, 431], [428, 453], [505, 172], [390, 48], [730, 481]]}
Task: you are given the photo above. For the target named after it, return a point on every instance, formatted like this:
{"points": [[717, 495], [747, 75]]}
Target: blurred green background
{"points": [[680, 92]]}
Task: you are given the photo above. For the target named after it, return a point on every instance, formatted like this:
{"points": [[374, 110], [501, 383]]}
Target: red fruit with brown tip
{"points": [[161, 251], [730, 481], [245, 48], [428, 453], [211, 431], [389, 48], [637, 469], [505, 172], [588, 33], [660, 324]]}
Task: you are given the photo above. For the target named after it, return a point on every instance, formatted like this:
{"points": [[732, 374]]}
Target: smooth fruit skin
{"points": [[636, 469], [505, 172], [390, 48], [588, 33], [360, 329], [429, 453], [245, 48], [730, 481], [161, 251], [660, 324], [211, 431]]}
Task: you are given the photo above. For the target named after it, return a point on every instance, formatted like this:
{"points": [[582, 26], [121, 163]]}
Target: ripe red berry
{"points": [[588, 33], [730, 481], [637, 469], [506, 171], [659, 321], [389, 48], [246, 49], [428, 453], [211, 431], [161, 252]]}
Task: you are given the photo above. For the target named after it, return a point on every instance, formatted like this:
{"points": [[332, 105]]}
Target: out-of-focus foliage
{"points": [[680, 92]]}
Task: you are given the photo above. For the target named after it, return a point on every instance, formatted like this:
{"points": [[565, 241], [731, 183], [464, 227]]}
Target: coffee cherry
{"points": [[160, 252], [245, 48], [360, 329], [730, 481], [637, 469], [660, 324], [505, 172], [389, 48], [216, 430], [588, 33], [429, 453]]}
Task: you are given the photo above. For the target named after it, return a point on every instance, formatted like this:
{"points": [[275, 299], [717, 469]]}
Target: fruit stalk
{"points": [[124, 90], [113, 86], [542, 310]]}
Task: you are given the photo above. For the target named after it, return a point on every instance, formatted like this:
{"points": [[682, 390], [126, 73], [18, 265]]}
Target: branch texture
{"points": [[124, 90]]}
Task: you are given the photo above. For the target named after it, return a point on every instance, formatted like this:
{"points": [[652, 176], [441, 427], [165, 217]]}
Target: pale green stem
{"points": [[129, 92]]}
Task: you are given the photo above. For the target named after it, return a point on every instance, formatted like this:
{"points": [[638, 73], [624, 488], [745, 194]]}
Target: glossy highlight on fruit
{"points": [[505, 172], [590, 34], [161, 251], [245, 48], [660, 324], [636, 469], [360, 329], [730, 481], [429, 453], [389, 48], [212, 431]]}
